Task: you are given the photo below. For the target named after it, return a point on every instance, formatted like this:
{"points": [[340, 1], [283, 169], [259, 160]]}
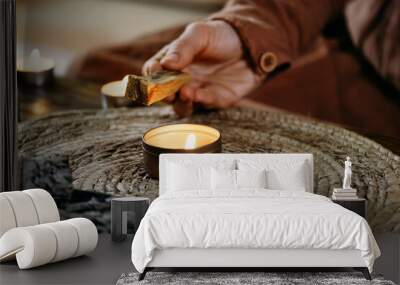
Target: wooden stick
{"points": [[147, 90]]}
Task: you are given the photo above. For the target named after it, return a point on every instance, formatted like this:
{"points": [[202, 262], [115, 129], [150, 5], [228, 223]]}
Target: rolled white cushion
{"points": [[66, 238], [33, 246], [40, 244], [87, 235], [7, 218], [23, 208], [46, 208]]}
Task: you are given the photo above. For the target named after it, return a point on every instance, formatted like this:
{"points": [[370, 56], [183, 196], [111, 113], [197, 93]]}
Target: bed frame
{"points": [[249, 259], [246, 259]]}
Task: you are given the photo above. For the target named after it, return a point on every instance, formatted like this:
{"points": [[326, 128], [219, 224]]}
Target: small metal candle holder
{"points": [[35, 71], [113, 93], [165, 139], [35, 78]]}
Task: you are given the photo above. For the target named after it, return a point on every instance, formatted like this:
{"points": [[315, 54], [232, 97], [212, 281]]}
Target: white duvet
{"points": [[250, 219]]}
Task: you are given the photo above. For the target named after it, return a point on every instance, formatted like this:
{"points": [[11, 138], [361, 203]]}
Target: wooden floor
{"points": [[111, 259]]}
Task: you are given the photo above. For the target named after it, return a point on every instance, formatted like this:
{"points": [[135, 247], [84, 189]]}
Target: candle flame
{"points": [[35, 55], [190, 141]]}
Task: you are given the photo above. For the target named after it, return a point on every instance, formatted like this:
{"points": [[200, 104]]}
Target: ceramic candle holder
{"points": [[35, 70], [178, 138]]}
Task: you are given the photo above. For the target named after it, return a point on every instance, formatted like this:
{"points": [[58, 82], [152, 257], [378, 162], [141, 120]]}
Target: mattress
{"points": [[250, 219]]}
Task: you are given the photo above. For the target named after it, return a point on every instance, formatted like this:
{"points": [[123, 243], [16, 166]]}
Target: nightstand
{"points": [[120, 208], [358, 206]]}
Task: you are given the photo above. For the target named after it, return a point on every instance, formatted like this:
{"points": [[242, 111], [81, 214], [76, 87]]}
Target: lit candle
{"points": [[114, 92], [35, 70], [178, 138]]}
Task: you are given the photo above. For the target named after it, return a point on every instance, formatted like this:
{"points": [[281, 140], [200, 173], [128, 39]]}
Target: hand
{"points": [[211, 52]]}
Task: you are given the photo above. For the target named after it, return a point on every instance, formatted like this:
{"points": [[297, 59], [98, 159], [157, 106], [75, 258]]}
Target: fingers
{"points": [[153, 64], [216, 96], [170, 99], [213, 96], [188, 91], [183, 104], [209, 40], [183, 50], [183, 108]]}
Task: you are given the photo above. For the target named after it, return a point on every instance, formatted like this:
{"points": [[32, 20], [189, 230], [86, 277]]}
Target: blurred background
{"points": [[65, 30], [93, 42]]}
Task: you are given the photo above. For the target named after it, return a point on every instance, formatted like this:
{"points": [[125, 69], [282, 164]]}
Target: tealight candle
{"points": [[35, 70], [114, 92], [178, 138]]}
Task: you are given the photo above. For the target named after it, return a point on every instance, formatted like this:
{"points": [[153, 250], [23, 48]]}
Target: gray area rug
{"points": [[270, 278]]}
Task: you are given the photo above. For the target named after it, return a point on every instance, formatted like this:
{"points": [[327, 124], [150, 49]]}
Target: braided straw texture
{"points": [[105, 153]]}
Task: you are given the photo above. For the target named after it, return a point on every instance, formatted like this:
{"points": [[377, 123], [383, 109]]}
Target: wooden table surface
{"points": [[67, 94]]}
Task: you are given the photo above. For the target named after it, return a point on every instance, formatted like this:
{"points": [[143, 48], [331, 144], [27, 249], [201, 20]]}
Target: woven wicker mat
{"points": [[105, 154]]}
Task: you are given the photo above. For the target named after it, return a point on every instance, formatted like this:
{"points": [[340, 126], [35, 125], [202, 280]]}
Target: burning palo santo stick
{"points": [[147, 90]]}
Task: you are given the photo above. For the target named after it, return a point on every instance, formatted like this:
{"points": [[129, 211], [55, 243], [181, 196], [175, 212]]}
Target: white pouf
{"points": [[87, 234], [26, 208], [40, 244], [45, 205], [7, 219], [32, 246], [67, 237], [23, 209]]}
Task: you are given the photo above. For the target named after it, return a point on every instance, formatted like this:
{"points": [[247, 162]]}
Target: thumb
{"points": [[184, 49]]}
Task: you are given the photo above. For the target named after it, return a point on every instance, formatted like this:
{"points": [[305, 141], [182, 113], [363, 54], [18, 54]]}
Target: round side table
{"points": [[120, 207]]}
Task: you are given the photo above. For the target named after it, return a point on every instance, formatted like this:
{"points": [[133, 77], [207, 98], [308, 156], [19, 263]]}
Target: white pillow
{"points": [[223, 179], [226, 179], [183, 178], [292, 180], [204, 162], [282, 174], [251, 178]]}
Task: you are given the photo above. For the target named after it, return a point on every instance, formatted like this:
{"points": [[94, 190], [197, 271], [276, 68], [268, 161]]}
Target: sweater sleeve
{"points": [[274, 32]]}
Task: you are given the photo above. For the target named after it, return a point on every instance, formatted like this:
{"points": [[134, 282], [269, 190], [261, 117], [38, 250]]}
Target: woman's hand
{"points": [[211, 52]]}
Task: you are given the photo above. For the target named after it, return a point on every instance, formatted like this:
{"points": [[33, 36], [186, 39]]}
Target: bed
{"points": [[246, 211]]}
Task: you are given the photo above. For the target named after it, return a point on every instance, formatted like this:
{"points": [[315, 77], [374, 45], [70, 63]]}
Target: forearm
{"points": [[274, 32]]}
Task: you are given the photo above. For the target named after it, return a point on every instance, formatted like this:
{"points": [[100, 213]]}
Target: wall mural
{"points": [[104, 152]]}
